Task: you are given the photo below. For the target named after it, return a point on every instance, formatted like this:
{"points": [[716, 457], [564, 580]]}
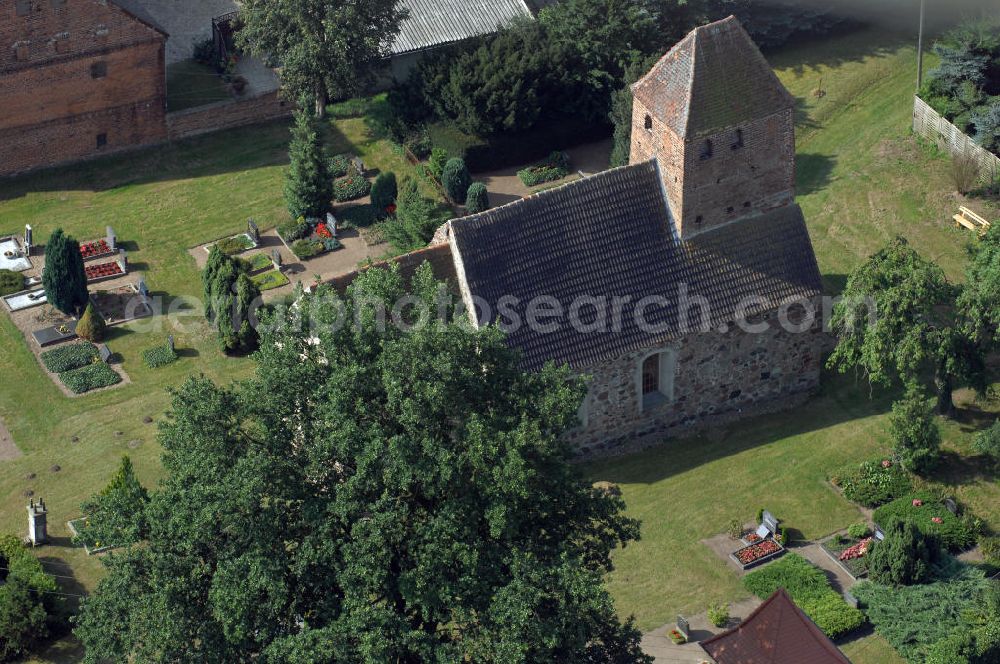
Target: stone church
{"points": [[681, 284]]}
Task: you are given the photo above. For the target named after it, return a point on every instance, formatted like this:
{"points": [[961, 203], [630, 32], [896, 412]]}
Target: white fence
{"points": [[928, 123]]}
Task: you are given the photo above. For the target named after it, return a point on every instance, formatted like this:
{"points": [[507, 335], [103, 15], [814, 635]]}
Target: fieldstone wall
{"points": [[720, 377]]}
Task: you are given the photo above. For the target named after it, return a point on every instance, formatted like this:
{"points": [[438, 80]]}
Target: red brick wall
{"points": [[226, 115]]}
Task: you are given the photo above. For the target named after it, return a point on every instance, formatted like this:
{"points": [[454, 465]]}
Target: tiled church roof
{"points": [[714, 78], [610, 235]]}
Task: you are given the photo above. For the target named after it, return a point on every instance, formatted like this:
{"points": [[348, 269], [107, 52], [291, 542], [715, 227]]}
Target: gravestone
{"points": [[331, 223], [763, 531], [683, 627], [170, 341], [951, 505], [111, 239], [105, 353], [879, 534], [142, 288], [276, 258], [28, 239], [123, 260], [37, 523], [253, 231], [768, 520]]}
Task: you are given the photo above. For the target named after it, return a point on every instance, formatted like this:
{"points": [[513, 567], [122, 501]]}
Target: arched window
{"points": [[655, 379], [706, 150], [738, 143], [649, 123]]}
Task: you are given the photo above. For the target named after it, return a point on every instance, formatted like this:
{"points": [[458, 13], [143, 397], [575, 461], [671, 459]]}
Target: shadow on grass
{"points": [[812, 172], [956, 470], [187, 352]]}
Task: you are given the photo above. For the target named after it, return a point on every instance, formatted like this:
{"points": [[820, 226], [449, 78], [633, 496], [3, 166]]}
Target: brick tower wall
{"points": [[660, 143]]}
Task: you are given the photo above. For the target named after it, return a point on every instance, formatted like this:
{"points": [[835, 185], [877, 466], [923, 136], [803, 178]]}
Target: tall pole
{"points": [[920, 48]]}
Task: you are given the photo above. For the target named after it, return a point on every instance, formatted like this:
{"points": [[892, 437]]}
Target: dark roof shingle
{"points": [[714, 78], [610, 235]]}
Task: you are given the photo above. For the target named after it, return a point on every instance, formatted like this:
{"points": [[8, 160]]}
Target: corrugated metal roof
{"points": [[436, 22]]}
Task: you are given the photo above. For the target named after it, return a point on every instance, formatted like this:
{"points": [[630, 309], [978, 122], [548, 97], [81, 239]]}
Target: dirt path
{"points": [[8, 450]]}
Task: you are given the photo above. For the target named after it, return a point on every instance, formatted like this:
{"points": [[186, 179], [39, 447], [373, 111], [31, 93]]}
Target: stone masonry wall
{"points": [[720, 377]]}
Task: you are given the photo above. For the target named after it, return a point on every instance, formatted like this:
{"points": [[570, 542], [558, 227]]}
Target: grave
{"points": [[54, 334], [253, 231], [25, 300], [12, 257], [105, 353], [276, 258], [684, 627], [106, 246]]}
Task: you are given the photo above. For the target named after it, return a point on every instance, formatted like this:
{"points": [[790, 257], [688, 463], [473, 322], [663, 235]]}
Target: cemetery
{"points": [[760, 545]]}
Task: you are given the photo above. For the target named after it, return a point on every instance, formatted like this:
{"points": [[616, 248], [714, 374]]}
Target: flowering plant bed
{"points": [[95, 249], [76, 527], [749, 538], [757, 553], [103, 271], [676, 637], [850, 553]]}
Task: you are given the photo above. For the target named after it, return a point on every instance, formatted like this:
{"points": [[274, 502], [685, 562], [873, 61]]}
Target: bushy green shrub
{"points": [[954, 534], [439, 157], [906, 556], [456, 179], [234, 245], [478, 199], [915, 432], [553, 167], [91, 325], [988, 442], [384, 192], [117, 515], [874, 482], [809, 588], [159, 356], [30, 606], [350, 187], [308, 189], [92, 377], [356, 216], [858, 530], [339, 165], [416, 219], [67, 358], [305, 249], [10, 282], [718, 614], [294, 230]]}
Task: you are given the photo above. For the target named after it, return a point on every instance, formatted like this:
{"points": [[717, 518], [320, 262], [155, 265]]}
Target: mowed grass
{"points": [[862, 179]]}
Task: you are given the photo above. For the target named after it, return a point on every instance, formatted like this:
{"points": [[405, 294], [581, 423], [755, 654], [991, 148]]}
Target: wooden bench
{"points": [[971, 220]]}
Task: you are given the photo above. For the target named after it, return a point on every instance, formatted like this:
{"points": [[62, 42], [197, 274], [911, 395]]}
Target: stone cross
{"points": [[37, 523]]}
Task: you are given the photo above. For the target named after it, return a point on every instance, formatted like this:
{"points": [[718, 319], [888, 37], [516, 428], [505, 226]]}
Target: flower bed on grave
{"points": [[757, 553], [76, 527], [103, 271], [308, 238], [95, 249], [851, 553]]}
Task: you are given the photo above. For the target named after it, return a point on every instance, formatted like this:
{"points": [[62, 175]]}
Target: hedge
{"points": [[89, 378], [234, 245], [553, 167], [67, 358], [10, 282], [871, 483], [954, 534], [269, 280], [351, 187], [811, 591], [159, 356]]}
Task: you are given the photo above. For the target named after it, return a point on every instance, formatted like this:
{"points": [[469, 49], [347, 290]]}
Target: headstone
{"points": [[170, 342], [253, 231], [763, 531], [276, 258], [879, 534], [111, 239], [768, 520], [951, 505], [105, 353], [331, 223], [28, 239], [142, 288], [683, 627], [37, 523], [851, 600], [123, 260], [358, 165]]}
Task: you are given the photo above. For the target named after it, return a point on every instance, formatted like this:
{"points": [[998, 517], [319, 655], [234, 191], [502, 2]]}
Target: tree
{"points": [[64, 278], [915, 432], [456, 179], [384, 192], [417, 218], [912, 334], [477, 199], [370, 495], [986, 120], [117, 515], [904, 557], [328, 49], [308, 184], [987, 442], [978, 301], [91, 325], [29, 606], [230, 297]]}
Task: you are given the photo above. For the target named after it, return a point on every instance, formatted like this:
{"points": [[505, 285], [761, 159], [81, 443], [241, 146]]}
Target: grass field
{"points": [[862, 179]]}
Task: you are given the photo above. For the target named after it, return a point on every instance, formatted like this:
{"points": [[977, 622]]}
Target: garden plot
{"points": [[12, 257], [122, 304]]}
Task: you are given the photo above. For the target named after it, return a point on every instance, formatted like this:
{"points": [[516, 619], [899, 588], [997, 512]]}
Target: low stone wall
{"points": [[226, 115], [929, 124]]}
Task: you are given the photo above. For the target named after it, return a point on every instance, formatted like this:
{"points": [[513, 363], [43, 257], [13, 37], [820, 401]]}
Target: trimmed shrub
{"points": [[718, 614], [553, 167], [307, 181], [351, 187], [64, 278], [954, 534], [384, 191], [339, 165], [159, 356], [10, 282], [477, 199], [117, 515], [67, 358], [873, 483], [811, 591], [88, 378], [915, 432], [439, 157], [91, 325], [858, 530], [906, 556], [305, 249], [456, 179]]}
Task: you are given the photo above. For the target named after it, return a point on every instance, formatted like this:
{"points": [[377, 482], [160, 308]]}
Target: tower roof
{"points": [[715, 77]]}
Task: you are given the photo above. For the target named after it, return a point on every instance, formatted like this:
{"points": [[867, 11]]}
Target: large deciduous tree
{"points": [[914, 333], [372, 495], [64, 278], [328, 49], [980, 298]]}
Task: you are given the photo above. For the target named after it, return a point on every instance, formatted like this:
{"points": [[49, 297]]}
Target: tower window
{"points": [[649, 123], [706, 150], [102, 140], [746, 204], [99, 69], [738, 143], [729, 210], [699, 219]]}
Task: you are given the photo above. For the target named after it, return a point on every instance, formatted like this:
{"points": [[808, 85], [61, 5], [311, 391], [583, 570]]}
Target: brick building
{"points": [[78, 78], [684, 286]]}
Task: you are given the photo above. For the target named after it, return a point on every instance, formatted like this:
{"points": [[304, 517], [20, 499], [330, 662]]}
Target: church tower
{"points": [[720, 125]]}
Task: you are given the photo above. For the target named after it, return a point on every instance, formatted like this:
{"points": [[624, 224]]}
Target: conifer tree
{"points": [[384, 192], [229, 298], [91, 325], [478, 199], [456, 179], [64, 278], [308, 185]]}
